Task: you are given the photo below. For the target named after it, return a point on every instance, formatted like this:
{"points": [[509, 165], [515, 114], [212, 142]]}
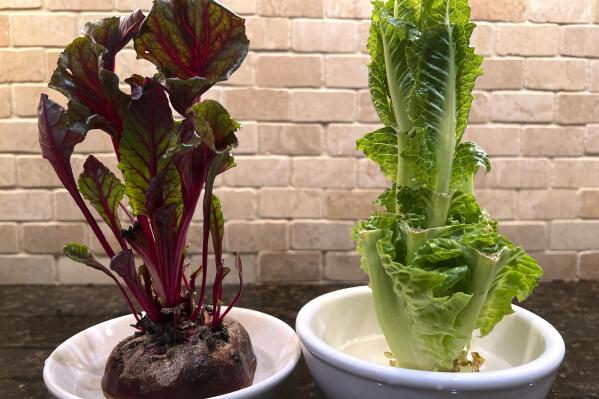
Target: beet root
{"points": [[206, 364]]}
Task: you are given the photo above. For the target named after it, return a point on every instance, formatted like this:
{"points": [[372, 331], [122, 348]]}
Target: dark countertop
{"points": [[35, 319]]}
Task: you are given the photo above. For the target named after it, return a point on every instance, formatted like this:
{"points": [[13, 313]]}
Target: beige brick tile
{"points": [[561, 265], [323, 172], [570, 75], [290, 139], [17, 136], [348, 9], [589, 265], [130, 5], [591, 140], [71, 272], [501, 204], [366, 111], [52, 60], [290, 266], [273, 70], [93, 243], [268, 33], [27, 97], [8, 166], [577, 108], [325, 36], [483, 39], [5, 102], [18, 269], [551, 141], [323, 106], [265, 171], [65, 208], [259, 104], [530, 235], [370, 175], [579, 11], [572, 172], [4, 31], [498, 10], [34, 171], [26, 205], [96, 141], [501, 74], [522, 107], [344, 266], [79, 5], [479, 113], [594, 78], [322, 235], [51, 29], [570, 235], [341, 138], [548, 204], [495, 140], [127, 64], [265, 235], [353, 205], [9, 239], [245, 75], [22, 66], [195, 236], [346, 71], [241, 6], [518, 173], [531, 40], [294, 203], [248, 139], [589, 199], [363, 34], [237, 203], [39, 238], [19, 4], [291, 8], [580, 41]]}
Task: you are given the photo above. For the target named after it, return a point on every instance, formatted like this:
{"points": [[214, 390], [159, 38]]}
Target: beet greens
{"points": [[167, 163]]}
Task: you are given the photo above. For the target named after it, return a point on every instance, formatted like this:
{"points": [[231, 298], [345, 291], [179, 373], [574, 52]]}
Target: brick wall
{"points": [[303, 97]]}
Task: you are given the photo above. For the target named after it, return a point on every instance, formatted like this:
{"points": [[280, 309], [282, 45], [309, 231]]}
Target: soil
{"points": [[207, 363]]}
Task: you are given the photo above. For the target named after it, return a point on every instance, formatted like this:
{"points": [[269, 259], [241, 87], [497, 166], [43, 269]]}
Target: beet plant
{"points": [[438, 267], [169, 164]]}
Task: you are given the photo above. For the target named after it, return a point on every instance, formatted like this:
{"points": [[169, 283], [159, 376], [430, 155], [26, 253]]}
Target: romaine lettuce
{"points": [[438, 267]]}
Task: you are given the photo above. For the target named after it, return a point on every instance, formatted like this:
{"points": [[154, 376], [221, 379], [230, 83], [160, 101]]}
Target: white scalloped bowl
{"points": [[344, 349], [74, 370]]}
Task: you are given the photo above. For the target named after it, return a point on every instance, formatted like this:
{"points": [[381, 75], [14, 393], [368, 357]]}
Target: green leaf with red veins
{"points": [[217, 224], [56, 141], [81, 253], [148, 131], [188, 39], [95, 101], [113, 33], [215, 126], [103, 190]]}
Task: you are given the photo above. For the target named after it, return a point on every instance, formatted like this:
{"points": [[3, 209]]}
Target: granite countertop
{"points": [[35, 319]]}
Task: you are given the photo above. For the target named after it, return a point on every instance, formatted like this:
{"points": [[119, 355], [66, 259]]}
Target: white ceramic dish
{"points": [[74, 370], [344, 349]]}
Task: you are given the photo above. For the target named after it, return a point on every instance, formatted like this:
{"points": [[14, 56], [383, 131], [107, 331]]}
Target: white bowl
{"points": [[344, 349], [74, 370]]}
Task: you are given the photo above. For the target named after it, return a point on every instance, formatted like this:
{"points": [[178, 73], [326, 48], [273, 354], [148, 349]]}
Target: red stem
{"points": [[91, 221], [118, 283]]}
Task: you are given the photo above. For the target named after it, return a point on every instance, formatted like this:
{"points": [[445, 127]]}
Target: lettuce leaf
{"points": [[438, 267]]}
